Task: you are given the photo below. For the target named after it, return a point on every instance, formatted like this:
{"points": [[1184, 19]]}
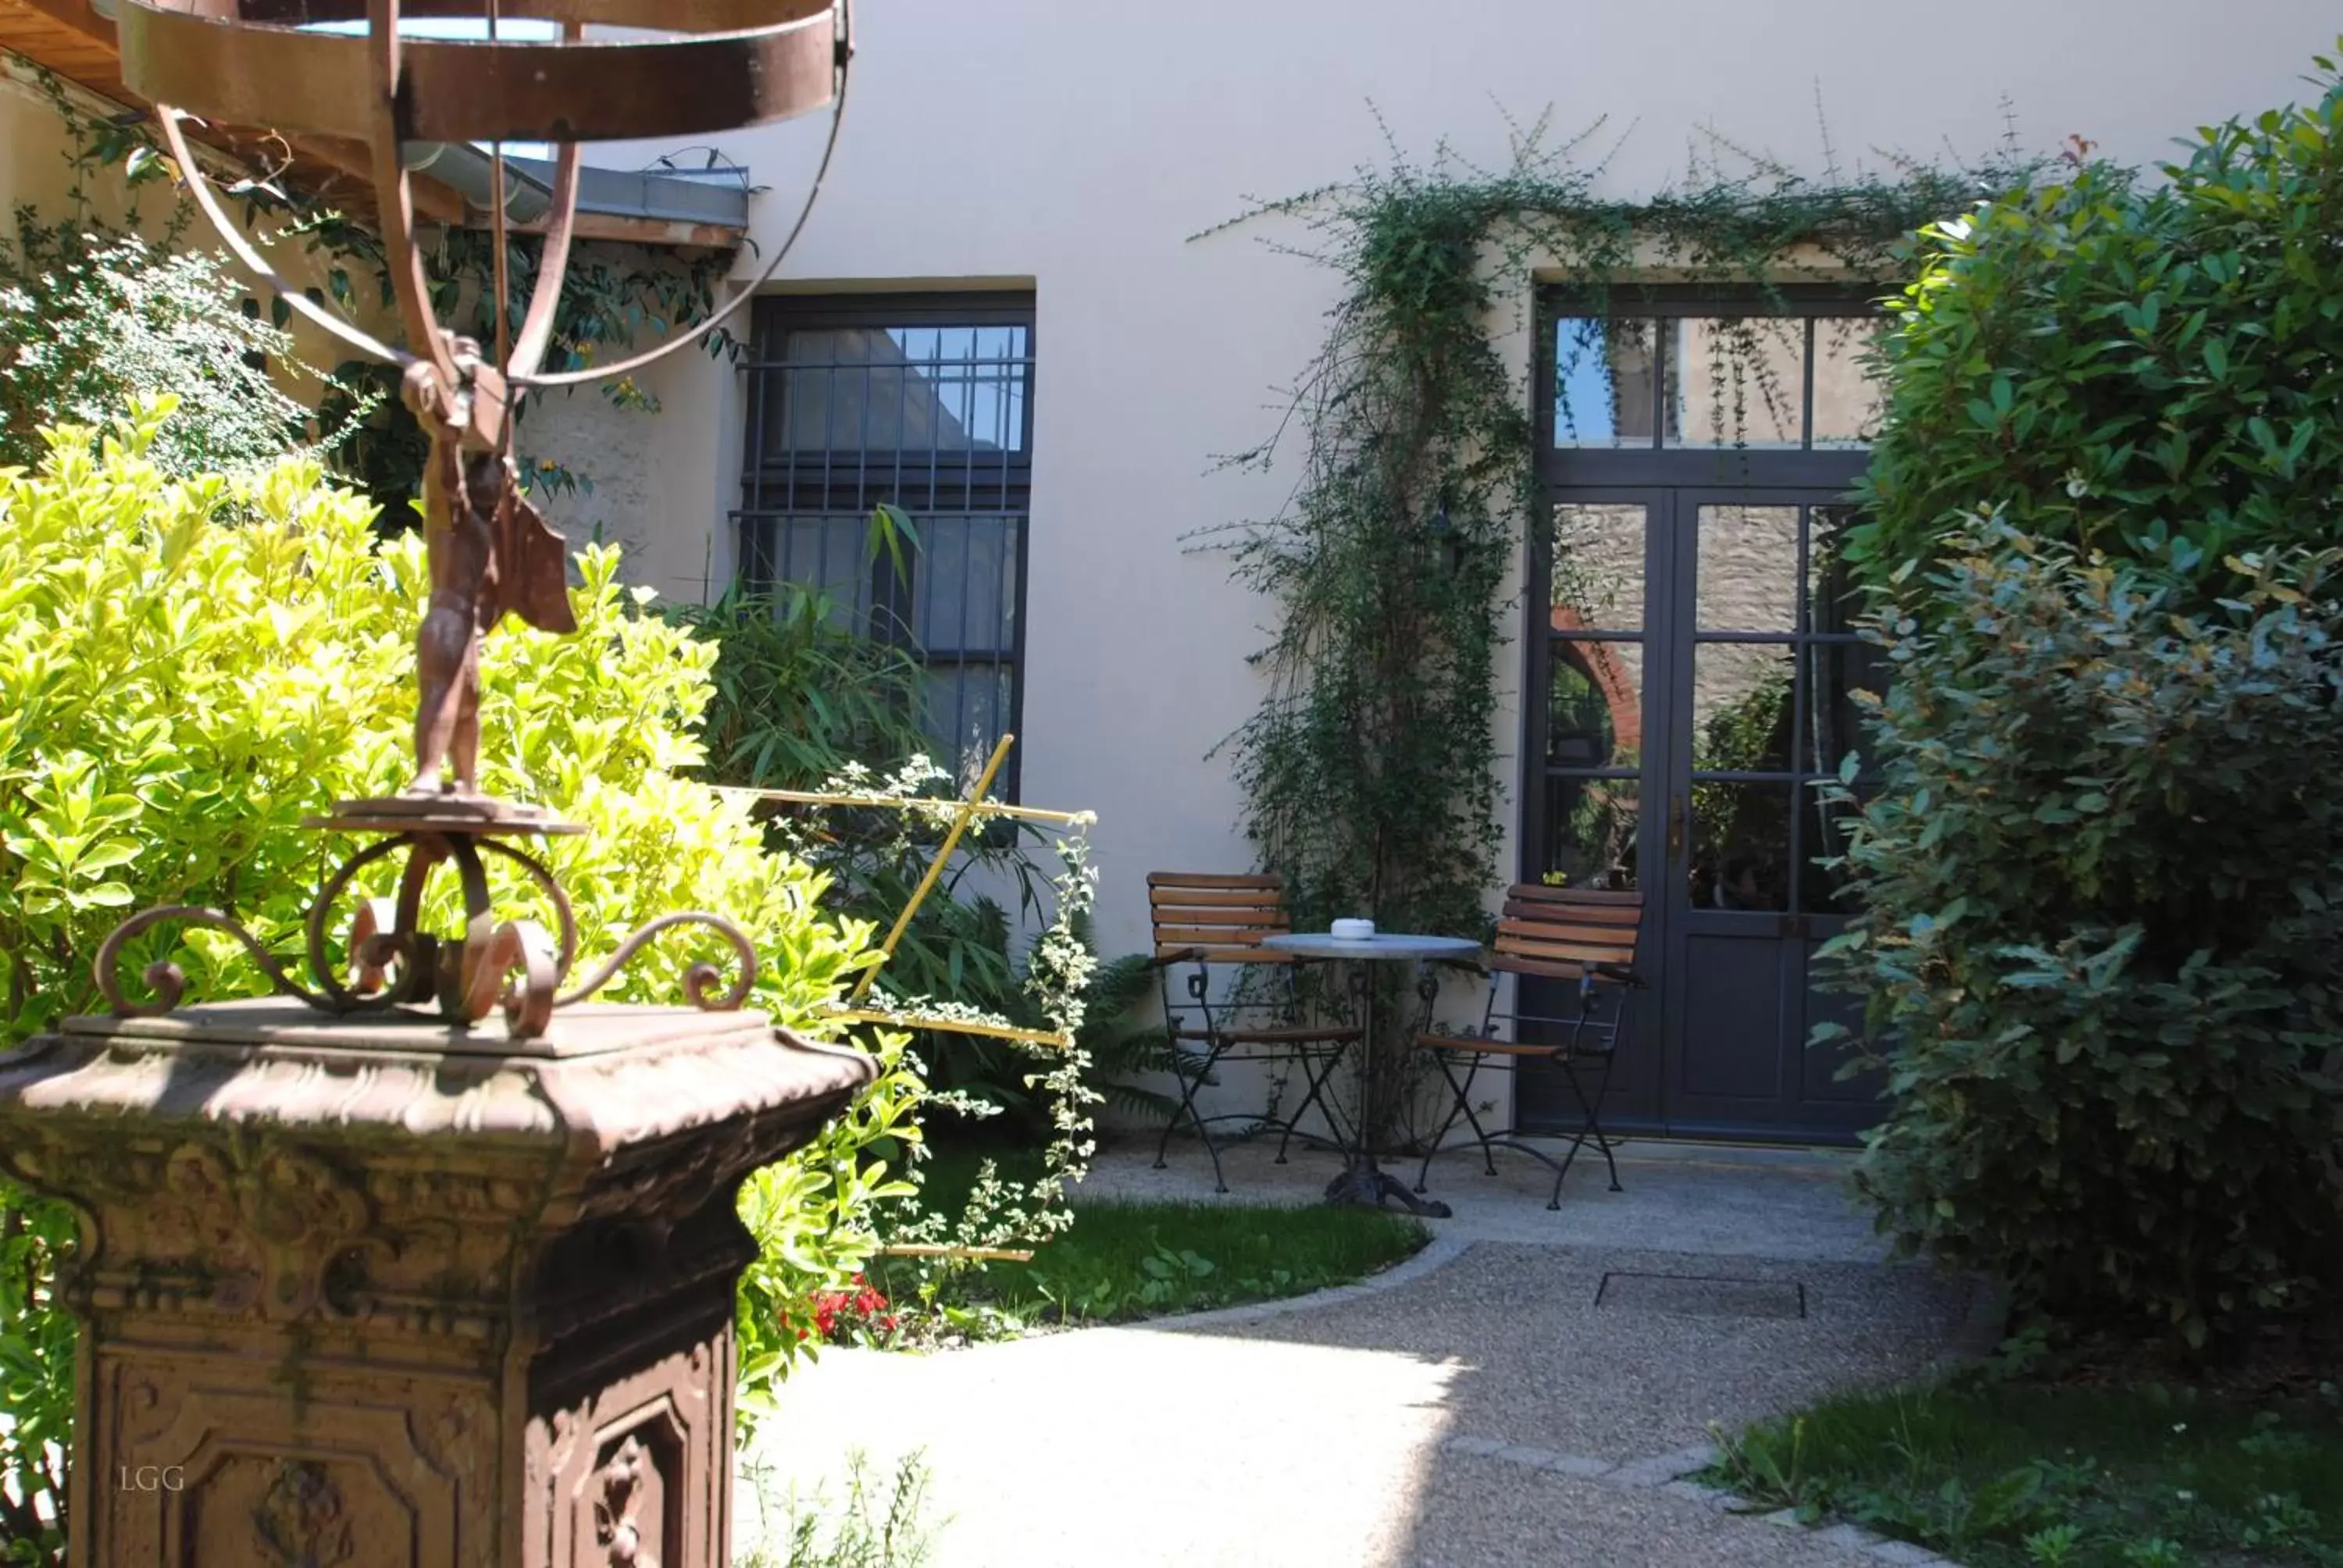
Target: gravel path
{"points": [[1494, 1400]]}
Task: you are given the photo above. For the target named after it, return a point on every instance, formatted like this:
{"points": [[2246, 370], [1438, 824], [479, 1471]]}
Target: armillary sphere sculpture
{"points": [[713, 65]]}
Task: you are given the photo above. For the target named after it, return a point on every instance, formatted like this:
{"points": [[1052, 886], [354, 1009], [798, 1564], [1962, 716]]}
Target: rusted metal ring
{"points": [[251, 62], [162, 73], [207, 201], [755, 285]]}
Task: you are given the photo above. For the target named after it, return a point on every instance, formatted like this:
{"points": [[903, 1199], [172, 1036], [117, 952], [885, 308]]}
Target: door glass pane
{"points": [[1602, 392], [1740, 846], [1835, 719], [1594, 705], [1833, 601], [1822, 887], [1748, 570], [1598, 568], [1741, 706], [1848, 396], [1590, 832], [1736, 381]]}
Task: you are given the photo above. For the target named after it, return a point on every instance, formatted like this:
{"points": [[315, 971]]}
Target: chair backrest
{"points": [[1566, 932], [1219, 919]]}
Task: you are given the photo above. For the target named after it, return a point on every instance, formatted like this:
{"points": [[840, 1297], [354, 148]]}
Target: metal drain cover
{"points": [[1704, 1295]]}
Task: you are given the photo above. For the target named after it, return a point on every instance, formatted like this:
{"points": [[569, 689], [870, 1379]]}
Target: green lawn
{"points": [[1122, 1261], [2001, 1474]]}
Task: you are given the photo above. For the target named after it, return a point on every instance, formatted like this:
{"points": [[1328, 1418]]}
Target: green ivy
{"points": [[190, 669], [1368, 768]]}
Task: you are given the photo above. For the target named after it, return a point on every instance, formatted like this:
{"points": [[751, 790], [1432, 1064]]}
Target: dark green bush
{"points": [[2146, 368], [2103, 936]]}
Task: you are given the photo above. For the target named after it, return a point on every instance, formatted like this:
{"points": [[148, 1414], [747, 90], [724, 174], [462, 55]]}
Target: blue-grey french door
{"points": [[1691, 665]]}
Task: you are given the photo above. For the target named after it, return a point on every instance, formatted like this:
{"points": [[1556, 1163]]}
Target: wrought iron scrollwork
{"points": [[700, 980], [165, 979], [390, 966]]}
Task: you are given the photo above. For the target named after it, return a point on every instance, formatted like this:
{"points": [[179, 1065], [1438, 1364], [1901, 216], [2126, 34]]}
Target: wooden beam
{"points": [[434, 201], [77, 15], [656, 231]]}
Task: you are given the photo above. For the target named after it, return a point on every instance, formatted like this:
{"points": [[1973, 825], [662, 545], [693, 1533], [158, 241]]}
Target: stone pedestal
{"points": [[361, 1294]]}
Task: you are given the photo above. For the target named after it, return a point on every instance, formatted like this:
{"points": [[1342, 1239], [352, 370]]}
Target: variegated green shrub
{"points": [[190, 668]]}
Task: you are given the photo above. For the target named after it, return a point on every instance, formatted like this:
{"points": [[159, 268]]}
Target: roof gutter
{"points": [[715, 198]]}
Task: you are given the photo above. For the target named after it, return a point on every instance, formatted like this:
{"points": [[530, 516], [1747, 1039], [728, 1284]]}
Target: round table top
{"points": [[1382, 945]]}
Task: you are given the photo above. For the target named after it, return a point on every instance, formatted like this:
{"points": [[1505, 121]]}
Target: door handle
{"points": [[1675, 827]]}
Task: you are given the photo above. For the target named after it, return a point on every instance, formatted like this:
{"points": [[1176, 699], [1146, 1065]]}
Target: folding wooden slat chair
{"points": [[1239, 1002], [1550, 933]]}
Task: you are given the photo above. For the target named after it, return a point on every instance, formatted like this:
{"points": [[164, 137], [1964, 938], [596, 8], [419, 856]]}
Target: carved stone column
{"points": [[356, 1294]]}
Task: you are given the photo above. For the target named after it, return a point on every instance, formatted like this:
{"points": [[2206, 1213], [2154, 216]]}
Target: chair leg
{"points": [[1592, 1126], [1188, 1087], [1179, 1077], [1425, 1170], [1317, 1082], [1471, 1118]]}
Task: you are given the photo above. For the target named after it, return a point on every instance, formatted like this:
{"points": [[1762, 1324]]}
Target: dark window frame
{"points": [[1637, 476], [1692, 463], [845, 480]]}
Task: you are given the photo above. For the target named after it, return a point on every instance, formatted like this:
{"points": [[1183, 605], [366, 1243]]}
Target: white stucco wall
{"points": [[1078, 145]]}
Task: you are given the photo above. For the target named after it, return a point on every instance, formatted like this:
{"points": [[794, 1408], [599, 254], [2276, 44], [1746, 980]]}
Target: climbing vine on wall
{"points": [[1370, 767]]}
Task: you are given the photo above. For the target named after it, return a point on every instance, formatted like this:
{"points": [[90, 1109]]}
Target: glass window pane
{"points": [[965, 590], [968, 713], [1590, 832], [1736, 381], [911, 389], [1834, 604], [1602, 382], [1741, 706], [1740, 846], [1849, 395], [819, 554], [1594, 705], [1747, 576], [1598, 568]]}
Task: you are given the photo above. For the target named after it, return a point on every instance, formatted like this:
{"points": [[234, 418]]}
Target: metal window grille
{"points": [[926, 403]]}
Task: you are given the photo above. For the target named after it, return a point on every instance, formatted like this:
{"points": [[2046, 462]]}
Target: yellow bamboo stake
{"points": [[955, 1025], [945, 1249], [982, 808], [935, 867]]}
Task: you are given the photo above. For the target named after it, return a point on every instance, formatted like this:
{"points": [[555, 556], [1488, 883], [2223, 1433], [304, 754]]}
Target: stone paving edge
{"points": [[1667, 1474], [1436, 1254]]}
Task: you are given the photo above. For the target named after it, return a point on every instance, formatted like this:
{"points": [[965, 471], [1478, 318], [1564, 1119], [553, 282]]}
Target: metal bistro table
{"points": [[1363, 1180]]}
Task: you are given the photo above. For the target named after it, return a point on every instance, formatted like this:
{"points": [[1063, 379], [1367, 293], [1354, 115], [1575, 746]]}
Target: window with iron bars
{"points": [[924, 403]]}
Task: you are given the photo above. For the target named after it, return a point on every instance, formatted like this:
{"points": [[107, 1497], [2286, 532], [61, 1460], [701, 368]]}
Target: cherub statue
{"points": [[490, 551]]}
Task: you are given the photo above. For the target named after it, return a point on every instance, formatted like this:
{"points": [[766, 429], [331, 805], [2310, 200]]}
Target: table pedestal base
{"points": [[1366, 1182]]}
